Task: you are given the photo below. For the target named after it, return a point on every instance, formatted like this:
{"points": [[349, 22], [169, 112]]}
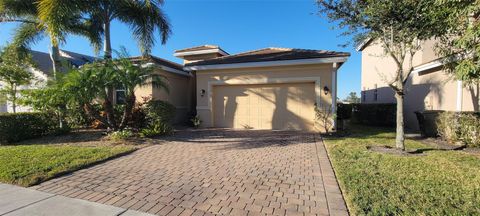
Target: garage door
{"points": [[276, 106]]}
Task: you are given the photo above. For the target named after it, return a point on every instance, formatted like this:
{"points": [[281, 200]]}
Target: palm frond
{"points": [[144, 18], [28, 34]]}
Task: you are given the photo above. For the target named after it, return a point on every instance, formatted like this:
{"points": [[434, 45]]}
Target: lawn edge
{"points": [[341, 186], [320, 138], [66, 172]]}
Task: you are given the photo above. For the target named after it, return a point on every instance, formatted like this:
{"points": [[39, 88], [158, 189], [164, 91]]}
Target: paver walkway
{"points": [[210, 172], [18, 201]]}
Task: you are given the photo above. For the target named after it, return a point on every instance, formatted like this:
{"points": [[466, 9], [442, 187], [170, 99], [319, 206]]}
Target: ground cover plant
{"points": [[433, 182], [26, 165]]}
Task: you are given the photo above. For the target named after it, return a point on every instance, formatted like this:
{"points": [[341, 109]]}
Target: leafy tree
{"points": [[14, 64], [352, 98], [461, 46], [396, 25]]}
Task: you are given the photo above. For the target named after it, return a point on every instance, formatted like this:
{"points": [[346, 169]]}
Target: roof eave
{"points": [[339, 59]]}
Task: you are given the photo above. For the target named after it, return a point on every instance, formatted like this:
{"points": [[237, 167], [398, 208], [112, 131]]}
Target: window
{"points": [[375, 93], [364, 94], [120, 96]]}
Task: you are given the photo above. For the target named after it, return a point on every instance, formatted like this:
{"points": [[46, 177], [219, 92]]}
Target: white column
{"points": [[459, 95], [334, 93]]}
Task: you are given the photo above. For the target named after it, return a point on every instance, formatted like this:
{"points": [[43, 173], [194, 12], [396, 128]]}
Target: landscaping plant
{"points": [[398, 27], [14, 64]]}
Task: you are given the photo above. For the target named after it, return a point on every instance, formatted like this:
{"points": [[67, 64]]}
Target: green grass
{"points": [[439, 183], [28, 165]]}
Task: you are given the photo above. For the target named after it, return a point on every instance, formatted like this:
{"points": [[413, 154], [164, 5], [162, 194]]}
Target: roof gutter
{"points": [[267, 63]]}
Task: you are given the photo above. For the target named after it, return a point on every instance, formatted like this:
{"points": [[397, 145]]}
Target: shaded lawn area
{"points": [[438, 183], [27, 165]]}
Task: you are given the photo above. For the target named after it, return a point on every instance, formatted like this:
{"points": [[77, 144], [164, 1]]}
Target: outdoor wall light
{"points": [[326, 90], [202, 92]]}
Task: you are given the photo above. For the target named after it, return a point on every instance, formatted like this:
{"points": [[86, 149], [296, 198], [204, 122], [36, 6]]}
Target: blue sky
{"points": [[236, 26]]}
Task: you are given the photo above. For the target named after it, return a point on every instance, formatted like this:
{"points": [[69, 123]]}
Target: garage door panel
{"points": [[275, 106]]}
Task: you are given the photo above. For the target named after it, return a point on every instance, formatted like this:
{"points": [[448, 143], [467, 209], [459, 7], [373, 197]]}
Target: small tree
{"points": [[398, 26], [352, 98], [324, 116], [14, 64]]}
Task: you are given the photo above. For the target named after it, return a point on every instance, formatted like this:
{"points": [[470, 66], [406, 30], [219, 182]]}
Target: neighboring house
{"points": [[43, 70], [429, 87], [271, 88]]}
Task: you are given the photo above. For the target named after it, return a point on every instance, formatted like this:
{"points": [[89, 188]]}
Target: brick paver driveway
{"points": [[215, 172]]}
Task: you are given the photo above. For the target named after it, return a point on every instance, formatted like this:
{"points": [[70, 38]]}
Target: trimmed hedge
{"points": [[15, 127], [374, 114], [461, 127], [344, 111]]}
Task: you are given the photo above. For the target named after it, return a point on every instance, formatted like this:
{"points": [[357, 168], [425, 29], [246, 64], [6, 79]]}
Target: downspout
{"points": [[459, 95], [334, 95]]}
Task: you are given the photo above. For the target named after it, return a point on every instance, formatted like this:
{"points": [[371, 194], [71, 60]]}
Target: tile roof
{"points": [[159, 61], [44, 62], [270, 54], [197, 48]]}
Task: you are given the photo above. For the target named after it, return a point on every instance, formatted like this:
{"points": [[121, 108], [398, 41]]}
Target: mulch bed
{"points": [[394, 151]]}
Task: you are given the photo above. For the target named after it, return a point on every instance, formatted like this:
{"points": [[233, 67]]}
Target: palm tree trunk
{"points": [[127, 113], [56, 61], [107, 49], [400, 137]]}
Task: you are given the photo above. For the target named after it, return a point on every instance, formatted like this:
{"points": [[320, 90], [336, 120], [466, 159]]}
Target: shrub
{"points": [[375, 114], [161, 128], [159, 111], [460, 127], [196, 121], [15, 127], [121, 135], [344, 111]]}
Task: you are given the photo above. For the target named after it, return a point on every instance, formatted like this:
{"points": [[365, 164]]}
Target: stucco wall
{"points": [[247, 75], [180, 93], [429, 90]]}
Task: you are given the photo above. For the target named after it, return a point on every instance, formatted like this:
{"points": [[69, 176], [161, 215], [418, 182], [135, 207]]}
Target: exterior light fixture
{"points": [[202, 92], [326, 90]]}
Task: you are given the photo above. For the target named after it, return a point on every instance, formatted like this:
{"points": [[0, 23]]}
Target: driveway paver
{"points": [[215, 172]]}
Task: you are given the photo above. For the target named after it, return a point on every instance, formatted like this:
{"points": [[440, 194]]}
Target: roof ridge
{"points": [[205, 45]]}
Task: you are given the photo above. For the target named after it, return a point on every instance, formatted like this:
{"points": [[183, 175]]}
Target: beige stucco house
{"points": [[271, 88], [429, 87]]}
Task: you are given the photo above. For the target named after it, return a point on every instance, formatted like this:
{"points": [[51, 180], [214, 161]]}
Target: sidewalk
{"points": [[23, 201]]}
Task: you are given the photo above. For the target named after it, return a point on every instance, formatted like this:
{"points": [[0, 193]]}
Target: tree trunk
{"points": [[400, 138], [56, 61], [14, 99], [107, 49], [127, 113]]}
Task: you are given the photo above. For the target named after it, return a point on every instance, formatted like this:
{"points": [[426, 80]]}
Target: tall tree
{"points": [[31, 29], [144, 17], [352, 98], [398, 26], [461, 45], [14, 65]]}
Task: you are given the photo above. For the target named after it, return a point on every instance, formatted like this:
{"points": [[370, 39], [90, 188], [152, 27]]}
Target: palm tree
{"points": [[92, 81], [32, 29], [144, 17]]}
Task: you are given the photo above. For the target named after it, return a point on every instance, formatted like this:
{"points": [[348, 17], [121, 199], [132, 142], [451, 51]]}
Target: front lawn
{"points": [[438, 183], [27, 165]]}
